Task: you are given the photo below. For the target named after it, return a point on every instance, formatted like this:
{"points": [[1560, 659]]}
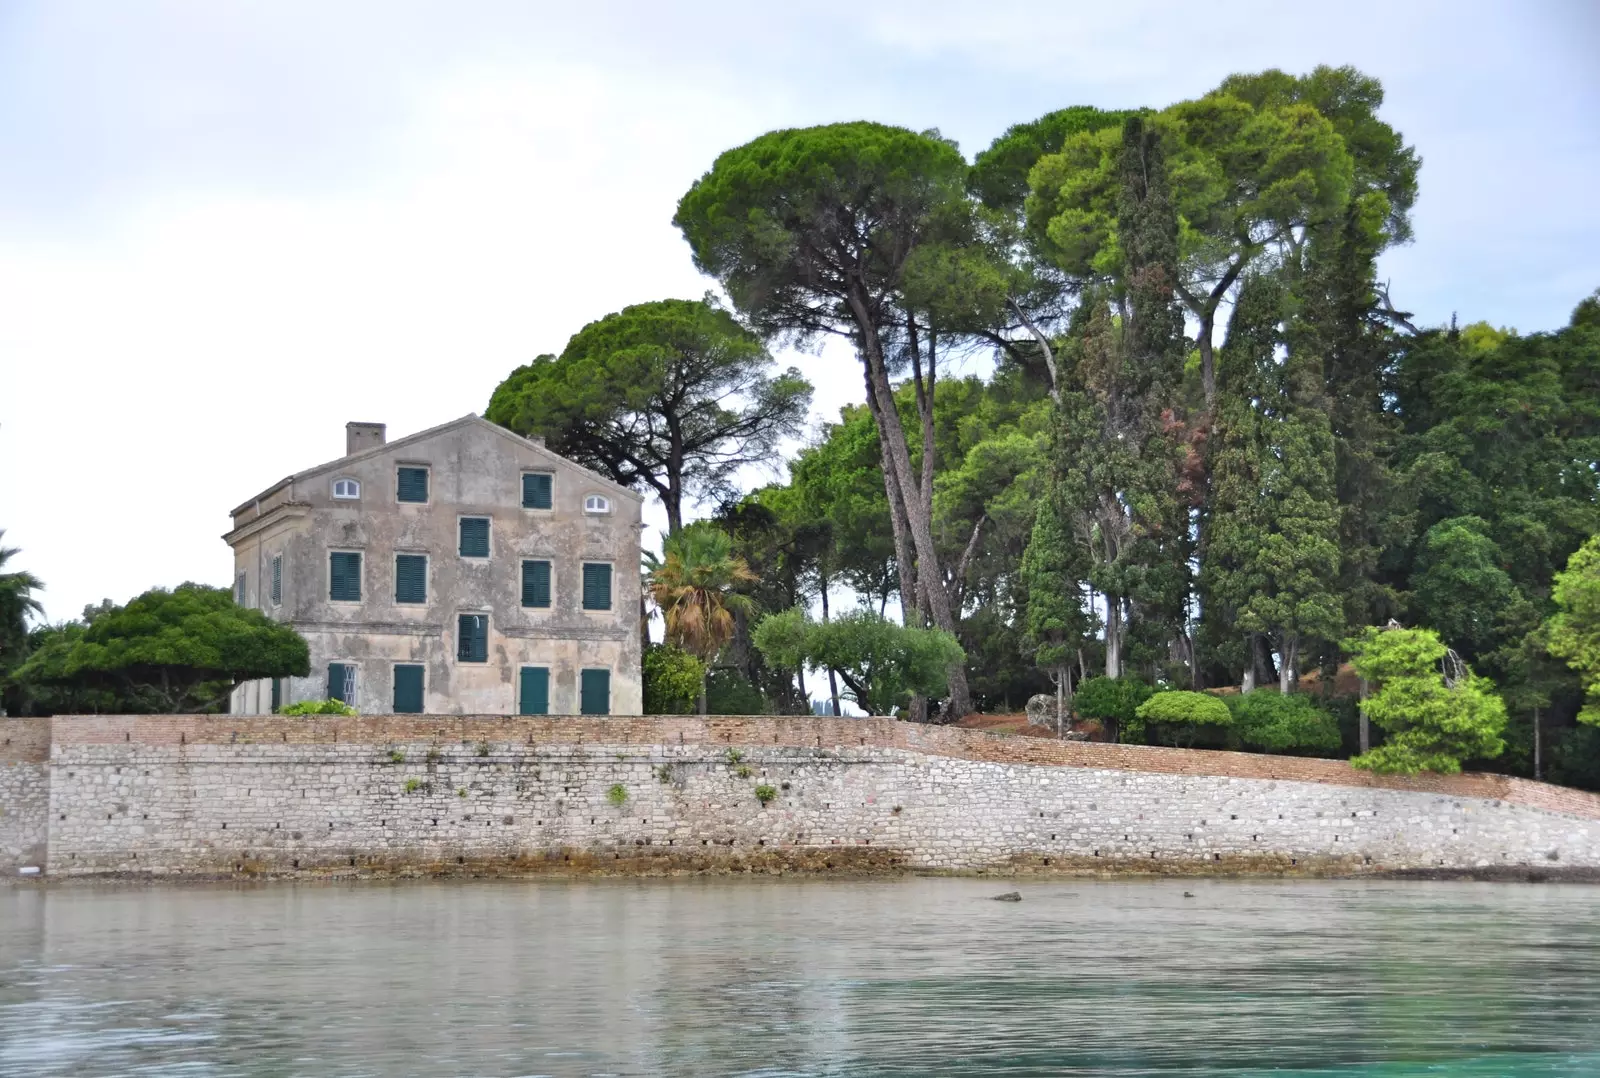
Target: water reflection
{"points": [[801, 978]]}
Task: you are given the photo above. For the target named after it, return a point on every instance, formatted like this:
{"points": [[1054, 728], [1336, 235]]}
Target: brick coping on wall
{"points": [[29, 740]]}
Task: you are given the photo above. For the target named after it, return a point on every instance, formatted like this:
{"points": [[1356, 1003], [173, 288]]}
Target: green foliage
{"points": [[1267, 721], [317, 707], [183, 650], [396, 756], [1432, 725], [729, 692], [413, 785], [1180, 706], [674, 394], [1461, 590], [1058, 621], [693, 585], [617, 795], [1113, 702], [672, 680], [766, 794], [1573, 633], [17, 605], [881, 663]]}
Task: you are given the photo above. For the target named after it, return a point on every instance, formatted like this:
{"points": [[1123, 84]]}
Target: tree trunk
{"points": [[1366, 732], [1289, 654], [930, 577], [1063, 672], [700, 704], [1248, 684], [1044, 344], [833, 677], [1113, 637], [1538, 755]]}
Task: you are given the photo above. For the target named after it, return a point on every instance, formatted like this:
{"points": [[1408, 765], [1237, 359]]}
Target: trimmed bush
{"points": [[1269, 721], [1190, 708], [318, 707]]}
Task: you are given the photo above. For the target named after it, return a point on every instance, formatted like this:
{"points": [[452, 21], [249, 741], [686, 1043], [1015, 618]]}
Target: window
{"points": [[474, 537], [277, 579], [411, 485], [536, 583], [594, 695], [597, 503], [342, 682], [533, 695], [596, 586], [238, 589], [410, 578], [344, 577], [408, 688], [536, 490], [349, 488], [472, 638]]}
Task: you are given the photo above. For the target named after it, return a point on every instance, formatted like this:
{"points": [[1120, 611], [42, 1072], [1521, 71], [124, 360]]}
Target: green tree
{"points": [[178, 651], [1461, 590], [810, 231], [1058, 621], [17, 604], [881, 663], [674, 394], [693, 584], [672, 680], [1434, 723], [1111, 701], [1573, 632]]}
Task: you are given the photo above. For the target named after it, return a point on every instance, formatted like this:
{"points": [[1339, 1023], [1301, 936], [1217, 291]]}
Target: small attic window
{"points": [[597, 503], [346, 488]]}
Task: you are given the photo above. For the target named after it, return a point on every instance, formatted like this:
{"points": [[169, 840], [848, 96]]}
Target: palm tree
{"points": [[692, 584], [16, 603]]}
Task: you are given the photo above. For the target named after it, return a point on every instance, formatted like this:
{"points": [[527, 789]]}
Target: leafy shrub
{"points": [[881, 663], [1269, 721], [412, 785], [1177, 717], [617, 795], [1111, 701], [318, 707], [671, 680], [765, 794]]}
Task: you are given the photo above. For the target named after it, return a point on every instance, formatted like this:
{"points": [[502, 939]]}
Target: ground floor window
{"points": [[408, 688], [533, 691], [594, 695], [342, 682]]}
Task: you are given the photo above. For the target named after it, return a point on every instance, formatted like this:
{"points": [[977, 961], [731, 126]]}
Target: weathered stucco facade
{"points": [[220, 795], [285, 540]]}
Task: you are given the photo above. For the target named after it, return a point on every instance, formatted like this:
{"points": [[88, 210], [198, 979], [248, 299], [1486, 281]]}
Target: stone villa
{"points": [[461, 571]]}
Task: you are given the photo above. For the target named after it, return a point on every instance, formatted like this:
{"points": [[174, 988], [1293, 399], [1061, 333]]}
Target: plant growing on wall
{"points": [[766, 794], [318, 707], [617, 795]]}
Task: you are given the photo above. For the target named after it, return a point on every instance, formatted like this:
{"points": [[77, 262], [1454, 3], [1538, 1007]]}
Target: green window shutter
{"points": [[342, 682], [474, 537], [594, 696], [277, 694], [534, 698], [472, 638], [596, 586], [536, 583], [238, 590], [408, 689], [410, 578], [536, 490], [411, 485], [277, 579], [344, 577]]}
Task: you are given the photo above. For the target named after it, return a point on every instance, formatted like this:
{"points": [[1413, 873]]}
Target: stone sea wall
{"points": [[174, 795], [24, 791]]}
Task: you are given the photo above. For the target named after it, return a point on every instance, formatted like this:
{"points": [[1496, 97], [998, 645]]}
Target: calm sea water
{"points": [[743, 977]]}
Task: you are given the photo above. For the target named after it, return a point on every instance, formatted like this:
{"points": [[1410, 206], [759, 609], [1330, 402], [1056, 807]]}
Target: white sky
{"points": [[228, 228]]}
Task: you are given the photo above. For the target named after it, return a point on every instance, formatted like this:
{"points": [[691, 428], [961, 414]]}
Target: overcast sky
{"points": [[228, 228]]}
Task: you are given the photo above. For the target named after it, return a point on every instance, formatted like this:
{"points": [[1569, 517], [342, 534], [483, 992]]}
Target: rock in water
{"points": [[1009, 896], [1042, 710]]}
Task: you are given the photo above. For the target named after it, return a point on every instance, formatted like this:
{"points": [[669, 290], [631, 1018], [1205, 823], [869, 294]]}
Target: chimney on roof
{"points": [[359, 436]]}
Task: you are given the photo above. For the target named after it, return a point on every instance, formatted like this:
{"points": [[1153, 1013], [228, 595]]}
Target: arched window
{"points": [[346, 488], [597, 503]]}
